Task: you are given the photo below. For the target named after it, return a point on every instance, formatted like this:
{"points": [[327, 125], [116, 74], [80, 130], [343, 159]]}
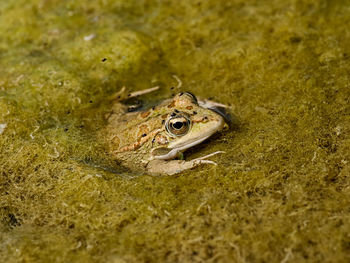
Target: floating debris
{"points": [[2, 127], [89, 37], [179, 85]]}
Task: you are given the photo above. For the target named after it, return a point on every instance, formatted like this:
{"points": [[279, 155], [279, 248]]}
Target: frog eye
{"points": [[178, 125]]}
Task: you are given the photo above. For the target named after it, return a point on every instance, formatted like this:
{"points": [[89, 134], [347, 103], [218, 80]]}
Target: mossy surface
{"points": [[281, 193]]}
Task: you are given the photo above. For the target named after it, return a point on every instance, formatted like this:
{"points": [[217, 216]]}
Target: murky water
{"points": [[281, 191]]}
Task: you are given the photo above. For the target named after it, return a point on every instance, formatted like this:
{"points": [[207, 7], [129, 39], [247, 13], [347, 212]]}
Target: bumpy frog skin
{"points": [[150, 140]]}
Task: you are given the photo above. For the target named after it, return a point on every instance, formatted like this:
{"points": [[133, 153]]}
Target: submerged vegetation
{"points": [[281, 193]]}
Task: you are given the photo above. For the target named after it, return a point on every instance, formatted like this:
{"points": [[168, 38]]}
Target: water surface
{"points": [[281, 191]]}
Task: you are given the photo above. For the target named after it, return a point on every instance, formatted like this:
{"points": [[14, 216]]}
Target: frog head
{"points": [[185, 125]]}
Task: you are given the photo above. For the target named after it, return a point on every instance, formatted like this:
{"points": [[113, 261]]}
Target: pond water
{"points": [[280, 193]]}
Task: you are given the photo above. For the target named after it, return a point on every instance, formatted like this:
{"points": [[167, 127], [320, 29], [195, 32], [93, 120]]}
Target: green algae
{"points": [[281, 191]]}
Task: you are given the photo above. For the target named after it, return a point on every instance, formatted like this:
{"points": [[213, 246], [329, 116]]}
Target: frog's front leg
{"points": [[171, 167]]}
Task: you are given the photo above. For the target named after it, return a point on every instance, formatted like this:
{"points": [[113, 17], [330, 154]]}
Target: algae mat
{"points": [[281, 193]]}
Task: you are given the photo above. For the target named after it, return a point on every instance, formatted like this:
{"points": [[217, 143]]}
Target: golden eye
{"points": [[178, 125]]}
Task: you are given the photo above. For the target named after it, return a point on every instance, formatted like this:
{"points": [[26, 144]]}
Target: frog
{"points": [[153, 140]]}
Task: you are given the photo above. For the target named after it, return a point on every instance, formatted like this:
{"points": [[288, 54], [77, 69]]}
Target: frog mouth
{"points": [[174, 152]]}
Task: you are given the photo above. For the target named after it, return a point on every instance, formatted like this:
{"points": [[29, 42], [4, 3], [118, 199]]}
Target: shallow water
{"points": [[280, 193]]}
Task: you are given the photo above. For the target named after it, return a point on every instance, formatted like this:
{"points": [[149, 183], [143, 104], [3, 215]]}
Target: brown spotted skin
{"points": [[131, 136]]}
